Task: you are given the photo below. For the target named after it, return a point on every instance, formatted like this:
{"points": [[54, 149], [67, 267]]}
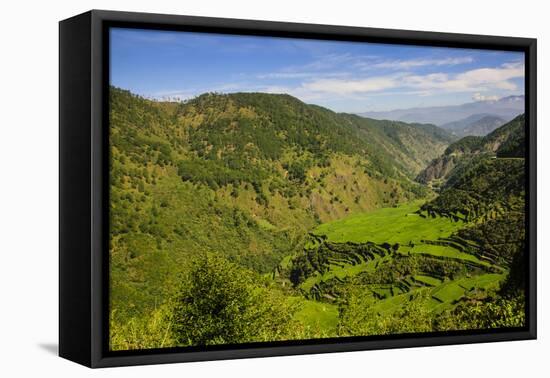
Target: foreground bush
{"points": [[219, 303]]}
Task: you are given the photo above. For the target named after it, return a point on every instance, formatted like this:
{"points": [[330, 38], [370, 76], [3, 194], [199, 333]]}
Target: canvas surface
{"points": [[267, 189]]}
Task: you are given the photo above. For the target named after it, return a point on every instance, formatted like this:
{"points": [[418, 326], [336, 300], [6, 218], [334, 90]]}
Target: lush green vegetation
{"points": [[219, 303], [400, 225], [506, 141], [254, 217]]}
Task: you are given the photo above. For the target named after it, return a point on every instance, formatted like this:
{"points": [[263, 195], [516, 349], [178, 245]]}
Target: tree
{"points": [[219, 303], [491, 312], [296, 171]]}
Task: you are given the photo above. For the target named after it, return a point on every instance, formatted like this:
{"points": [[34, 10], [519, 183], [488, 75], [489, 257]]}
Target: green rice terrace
{"points": [[440, 265]]}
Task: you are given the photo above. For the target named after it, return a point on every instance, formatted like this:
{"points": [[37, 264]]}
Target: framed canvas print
{"points": [[233, 188]]}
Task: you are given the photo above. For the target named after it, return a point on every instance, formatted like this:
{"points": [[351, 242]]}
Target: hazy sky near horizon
{"points": [[342, 76]]}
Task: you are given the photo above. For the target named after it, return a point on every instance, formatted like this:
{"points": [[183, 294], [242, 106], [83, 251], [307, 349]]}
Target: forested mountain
{"points": [[298, 217], [270, 125], [506, 141]]}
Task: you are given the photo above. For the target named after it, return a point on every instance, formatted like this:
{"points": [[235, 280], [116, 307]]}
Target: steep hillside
{"points": [[269, 125], [506, 141], [410, 145], [509, 137], [481, 187]]}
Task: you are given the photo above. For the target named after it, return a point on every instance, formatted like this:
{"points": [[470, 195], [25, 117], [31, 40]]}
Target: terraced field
{"points": [[401, 225], [400, 255]]}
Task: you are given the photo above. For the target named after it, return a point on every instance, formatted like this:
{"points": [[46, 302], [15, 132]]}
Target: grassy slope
{"points": [[391, 225]]}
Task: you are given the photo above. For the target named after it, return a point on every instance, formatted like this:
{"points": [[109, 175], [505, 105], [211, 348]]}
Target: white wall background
{"points": [[29, 186]]}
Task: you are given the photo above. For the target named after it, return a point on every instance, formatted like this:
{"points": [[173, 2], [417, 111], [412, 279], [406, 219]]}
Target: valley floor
{"points": [[359, 249]]}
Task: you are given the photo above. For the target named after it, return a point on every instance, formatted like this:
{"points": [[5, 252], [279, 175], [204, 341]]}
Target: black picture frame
{"points": [[83, 181]]}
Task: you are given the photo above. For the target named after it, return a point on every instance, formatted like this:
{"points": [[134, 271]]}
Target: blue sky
{"points": [[342, 76]]}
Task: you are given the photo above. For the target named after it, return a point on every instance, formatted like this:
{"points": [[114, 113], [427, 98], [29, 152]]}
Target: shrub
{"points": [[218, 303]]}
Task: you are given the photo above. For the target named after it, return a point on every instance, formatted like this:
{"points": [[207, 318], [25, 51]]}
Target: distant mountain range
{"points": [[477, 124], [474, 118]]}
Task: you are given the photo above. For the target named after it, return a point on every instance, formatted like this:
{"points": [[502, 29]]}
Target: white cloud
{"points": [[338, 86], [361, 62], [412, 63], [480, 97], [497, 77], [477, 80], [481, 82], [300, 75], [324, 62], [331, 62]]}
